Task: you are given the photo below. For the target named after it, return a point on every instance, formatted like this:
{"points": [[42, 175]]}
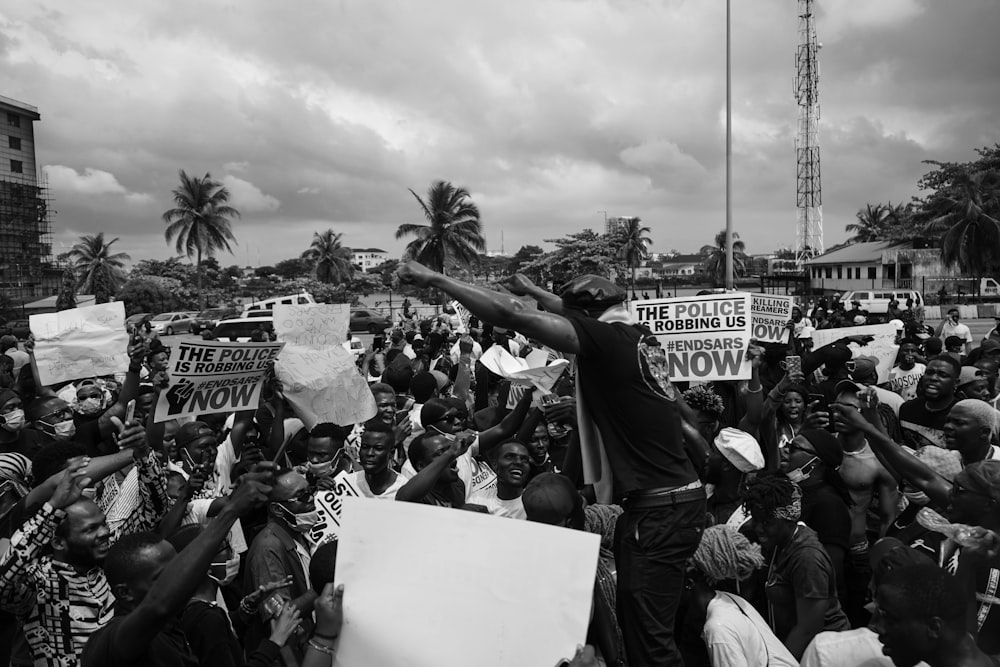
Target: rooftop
{"points": [[367, 250], [854, 253], [26, 109]]}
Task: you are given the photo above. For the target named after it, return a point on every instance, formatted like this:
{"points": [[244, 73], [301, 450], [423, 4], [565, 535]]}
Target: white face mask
{"points": [[231, 568], [14, 420], [321, 469], [88, 406], [62, 431], [802, 473], [300, 523]]}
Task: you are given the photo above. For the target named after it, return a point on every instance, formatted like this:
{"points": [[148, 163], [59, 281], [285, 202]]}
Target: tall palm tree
{"points": [[714, 258], [966, 217], [98, 271], [455, 233], [330, 261], [200, 220], [871, 225], [635, 246]]}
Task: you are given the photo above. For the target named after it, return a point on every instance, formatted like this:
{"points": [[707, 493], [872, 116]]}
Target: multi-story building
{"points": [[612, 225], [368, 258], [26, 268]]}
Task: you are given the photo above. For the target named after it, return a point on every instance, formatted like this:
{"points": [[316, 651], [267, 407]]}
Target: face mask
{"points": [[14, 420], [225, 573], [61, 431], [88, 406], [300, 523], [320, 469], [800, 475]]}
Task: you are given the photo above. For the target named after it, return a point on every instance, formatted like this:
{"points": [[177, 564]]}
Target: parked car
{"points": [[207, 319], [369, 320], [17, 328], [355, 347], [170, 323], [240, 329], [132, 321]]}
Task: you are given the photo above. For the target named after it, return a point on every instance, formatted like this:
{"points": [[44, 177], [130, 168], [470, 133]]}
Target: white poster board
{"points": [[460, 588], [208, 377], [330, 506], [769, 314], [533, 370], [80, 343], [703, 338], [319, 376], [883, 348]]}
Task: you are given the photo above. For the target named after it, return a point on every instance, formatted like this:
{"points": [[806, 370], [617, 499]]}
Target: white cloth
{"points": [[851, 648], [960, 330], [20, 359], [512, 509], [904, 382], [890, 398], [456, 353], [737, 636], [361, 484]]}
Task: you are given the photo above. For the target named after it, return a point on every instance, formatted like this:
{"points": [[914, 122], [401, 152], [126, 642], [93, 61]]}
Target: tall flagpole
{"points": [[729, 149]]}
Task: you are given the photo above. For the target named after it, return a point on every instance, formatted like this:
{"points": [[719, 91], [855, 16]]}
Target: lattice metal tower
{"points": [[809, 192]]}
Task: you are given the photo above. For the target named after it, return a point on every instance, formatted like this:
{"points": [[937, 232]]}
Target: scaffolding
{"points": [[26, 264]]}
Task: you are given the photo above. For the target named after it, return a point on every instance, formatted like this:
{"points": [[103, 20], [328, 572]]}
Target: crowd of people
{"points": [[809, 515]]}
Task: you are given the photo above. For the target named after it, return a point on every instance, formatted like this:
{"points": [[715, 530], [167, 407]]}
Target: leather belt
{"points": [[654, 498]]}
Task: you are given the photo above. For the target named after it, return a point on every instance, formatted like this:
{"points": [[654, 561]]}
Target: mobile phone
{"points": [[130, 411], [402, 416], [549, 399], [815, 398], [378, 343], [793, 364]]}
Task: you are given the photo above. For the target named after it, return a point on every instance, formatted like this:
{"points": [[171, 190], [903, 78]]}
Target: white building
{"points": [[368, 258]]}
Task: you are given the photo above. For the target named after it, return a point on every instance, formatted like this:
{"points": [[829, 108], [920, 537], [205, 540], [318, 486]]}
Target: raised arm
{"points": [[423, 482], [498, 309], [507, 428], [521, 286]]}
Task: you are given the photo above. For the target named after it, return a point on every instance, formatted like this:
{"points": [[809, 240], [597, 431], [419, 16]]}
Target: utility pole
{"points": [[808, 190], [729, 148]]}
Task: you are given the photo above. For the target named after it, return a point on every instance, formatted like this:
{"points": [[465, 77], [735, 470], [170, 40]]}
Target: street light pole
{"points": [[729, 149]]}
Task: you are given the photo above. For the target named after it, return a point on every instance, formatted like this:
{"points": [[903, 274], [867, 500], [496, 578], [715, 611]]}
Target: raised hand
{"points": [[130, 436], [72, 483], [178, 396], [519, 284], [330, 611], [414, 273], [250, 494]]}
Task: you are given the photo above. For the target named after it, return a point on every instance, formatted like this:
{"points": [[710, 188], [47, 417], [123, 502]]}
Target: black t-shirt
{"points": [[169, 648], [208, 632], [636, 414], [28, 442], [921, 426], [825, 512]]}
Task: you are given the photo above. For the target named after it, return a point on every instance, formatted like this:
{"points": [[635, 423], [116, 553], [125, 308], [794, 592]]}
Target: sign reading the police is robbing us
{"points": [[702, 337], [214, 376]]}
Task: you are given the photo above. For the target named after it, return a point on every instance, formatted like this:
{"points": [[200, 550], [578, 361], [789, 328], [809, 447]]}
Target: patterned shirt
{"points": [[58, 606]]}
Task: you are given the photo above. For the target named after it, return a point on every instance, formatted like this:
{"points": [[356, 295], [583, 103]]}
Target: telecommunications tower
{"points": [[809, 193]]}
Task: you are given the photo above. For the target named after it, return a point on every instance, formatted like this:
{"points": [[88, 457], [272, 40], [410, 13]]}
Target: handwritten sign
{"points": [[883, 347], [532, 371], [769, 314], [80, 342], [319, 376], [702, 337], [330, 506], [208, 377], [463, 316]]}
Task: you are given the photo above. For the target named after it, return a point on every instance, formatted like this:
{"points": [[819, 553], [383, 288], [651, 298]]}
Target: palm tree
{"points": [[330, 261], [966, 217], [98, 271], [635, 246], [714, 258], [200, 220], [871, 225], [454, 235]]}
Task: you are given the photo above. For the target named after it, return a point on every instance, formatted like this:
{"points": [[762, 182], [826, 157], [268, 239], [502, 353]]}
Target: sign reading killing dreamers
{"points": [[703, 337], [214, 376], [769, 314]]}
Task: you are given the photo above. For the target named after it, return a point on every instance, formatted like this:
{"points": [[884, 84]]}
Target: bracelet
{"points": [[329, 650], [758, 390], [246, 608]]}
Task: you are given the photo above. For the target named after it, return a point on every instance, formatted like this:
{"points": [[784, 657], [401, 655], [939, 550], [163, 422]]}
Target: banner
{"points": [[80, 342], [883, 348], [703, 337], [454, 569], [330, 505], [207, 377], [319, 376], [769, 314]]}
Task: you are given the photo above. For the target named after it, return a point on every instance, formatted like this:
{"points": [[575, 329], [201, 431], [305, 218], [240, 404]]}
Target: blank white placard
{"points": [[435, 587]]}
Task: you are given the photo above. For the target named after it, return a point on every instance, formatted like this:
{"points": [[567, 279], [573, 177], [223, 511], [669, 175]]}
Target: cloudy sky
{"points": [[320, 114]]}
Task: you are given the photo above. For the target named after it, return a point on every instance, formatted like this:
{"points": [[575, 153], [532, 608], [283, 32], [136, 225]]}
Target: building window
{"points": [[13, 119], [829, 272], [840, 272], [871, 273], [14, 143], [16, 166]]}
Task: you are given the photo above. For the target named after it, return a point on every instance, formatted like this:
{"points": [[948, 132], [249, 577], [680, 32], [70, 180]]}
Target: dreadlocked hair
{"points": [[767, 492], [724, 554], [704, 399]]}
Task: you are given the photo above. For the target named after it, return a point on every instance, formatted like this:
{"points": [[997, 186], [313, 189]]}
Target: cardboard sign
{"points": [[319, 376], [769, 314], [80, 342], [702, 337], [463, 315], [883, 348], [207, 377], [330, 506], [510, 593]]}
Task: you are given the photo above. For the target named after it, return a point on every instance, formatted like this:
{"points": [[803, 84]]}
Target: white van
{"points": [[265, 307], [876, 301]]}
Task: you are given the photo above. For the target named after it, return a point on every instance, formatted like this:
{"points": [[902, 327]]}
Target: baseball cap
{"points": [[192, 431], [590, 292], [952, 341], [967, 375]]}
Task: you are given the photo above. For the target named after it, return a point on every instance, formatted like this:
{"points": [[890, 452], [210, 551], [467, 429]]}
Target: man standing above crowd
{"points": [[635, 407], [950, 326]]}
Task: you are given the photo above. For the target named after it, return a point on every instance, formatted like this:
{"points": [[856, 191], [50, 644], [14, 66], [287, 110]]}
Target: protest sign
{"points": [[883, 348], [214, 376], [457, 568], [318, 375], [463, 316], [769, 314], [80, 342], [702, 337], [329, 506], [533, 370]]}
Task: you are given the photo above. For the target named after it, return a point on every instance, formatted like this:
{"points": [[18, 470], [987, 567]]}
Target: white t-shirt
{"points": [[904, 382], [21, 358], [737, 636], [849, 648], [456, 353], [359, 481], [890, 398], [477, 476], [512, 509], [959, 330]]}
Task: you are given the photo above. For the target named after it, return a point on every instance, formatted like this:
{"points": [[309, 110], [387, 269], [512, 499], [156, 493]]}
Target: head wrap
{"points": [[724, 553], [793, 510], [889, 554], [590, 292], [16, 468]]}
